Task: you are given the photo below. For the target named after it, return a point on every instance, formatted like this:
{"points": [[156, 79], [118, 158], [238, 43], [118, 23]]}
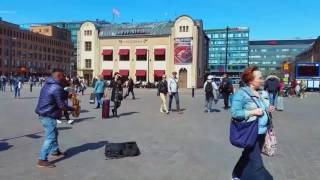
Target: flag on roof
{"points": [[116, 12]]}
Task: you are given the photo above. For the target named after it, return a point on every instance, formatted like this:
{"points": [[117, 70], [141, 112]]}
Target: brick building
{"points": [[33, 51]]}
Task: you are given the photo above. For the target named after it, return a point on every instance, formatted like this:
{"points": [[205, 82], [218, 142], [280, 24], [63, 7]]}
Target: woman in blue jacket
{"points": [[98, 90], [250, 165]]}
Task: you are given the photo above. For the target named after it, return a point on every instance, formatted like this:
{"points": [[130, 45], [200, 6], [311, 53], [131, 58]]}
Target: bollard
{"points": [[192, 91]]}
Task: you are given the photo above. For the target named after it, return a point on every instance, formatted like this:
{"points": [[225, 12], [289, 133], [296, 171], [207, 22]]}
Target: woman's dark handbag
{"points": [[244, 134]]}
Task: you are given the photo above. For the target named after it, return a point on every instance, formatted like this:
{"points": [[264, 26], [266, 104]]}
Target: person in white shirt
{"points": [[211, 93], [173, 90]]}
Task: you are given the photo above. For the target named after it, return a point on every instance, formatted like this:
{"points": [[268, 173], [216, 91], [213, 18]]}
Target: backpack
{"points": [[208, 89], [121, 150]]}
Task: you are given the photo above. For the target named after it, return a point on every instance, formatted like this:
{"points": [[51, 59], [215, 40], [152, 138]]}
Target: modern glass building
{"points": [[269, 55], [228, 50]]}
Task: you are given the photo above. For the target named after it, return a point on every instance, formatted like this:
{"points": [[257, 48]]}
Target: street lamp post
{"points": [[148, 59], [226, 60]]}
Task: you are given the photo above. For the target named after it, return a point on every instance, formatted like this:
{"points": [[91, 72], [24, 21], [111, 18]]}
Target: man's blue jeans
{"points": [[272, 97], [50, 144], [174, 95], [16, 92]]}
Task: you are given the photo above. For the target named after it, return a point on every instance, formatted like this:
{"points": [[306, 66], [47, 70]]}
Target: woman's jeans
{"points": [[50, 144], [250, 165], [99, 97]]}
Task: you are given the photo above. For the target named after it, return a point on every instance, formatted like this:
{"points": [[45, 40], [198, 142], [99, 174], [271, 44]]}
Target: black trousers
{"points": [[250, 165], [117, 104], [130, 90], [226, 99], [66, 115]]}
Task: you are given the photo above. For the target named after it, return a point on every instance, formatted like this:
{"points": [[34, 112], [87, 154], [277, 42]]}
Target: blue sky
{"points": [[267, 19]]}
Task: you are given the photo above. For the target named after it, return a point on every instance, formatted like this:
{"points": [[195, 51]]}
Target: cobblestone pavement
{"points": [[189, 146]]}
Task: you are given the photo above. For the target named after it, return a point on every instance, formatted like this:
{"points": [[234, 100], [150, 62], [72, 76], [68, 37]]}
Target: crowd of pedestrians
{"points": [[254, 101]]}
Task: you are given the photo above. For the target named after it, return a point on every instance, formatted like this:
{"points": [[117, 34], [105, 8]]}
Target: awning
{"points": [[141, 73], [159, 73], [124, 72], [124, 51], [141, 52], [107, 52], [106, 72], [161, 51]]}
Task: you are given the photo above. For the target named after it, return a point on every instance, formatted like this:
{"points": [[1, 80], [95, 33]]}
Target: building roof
{"points": [[310, 48], [225, 29], [136, 29], [282, 42]]}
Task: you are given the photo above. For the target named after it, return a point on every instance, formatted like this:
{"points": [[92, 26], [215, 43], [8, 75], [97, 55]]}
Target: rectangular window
{"points": [[88, 63], [87, 45], [159, 57], [141, 57], [108, 57], [124, 57]]}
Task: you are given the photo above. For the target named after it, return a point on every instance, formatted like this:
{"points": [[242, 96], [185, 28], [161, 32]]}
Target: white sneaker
{"points": [[70, 121], [59, 122]]}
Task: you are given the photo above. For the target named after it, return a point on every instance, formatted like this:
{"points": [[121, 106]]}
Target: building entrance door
{"points": [[183, 78], [88, 77]]}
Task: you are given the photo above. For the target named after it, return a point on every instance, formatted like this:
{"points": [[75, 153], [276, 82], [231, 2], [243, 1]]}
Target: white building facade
{"points": [[145, 51]]}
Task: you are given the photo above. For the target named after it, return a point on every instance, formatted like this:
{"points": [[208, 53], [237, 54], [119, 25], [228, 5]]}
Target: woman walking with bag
{"points": [[252, 107]]}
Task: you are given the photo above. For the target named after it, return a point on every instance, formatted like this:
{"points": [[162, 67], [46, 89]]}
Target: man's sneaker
{"points": [[45, 164], [205, 110], [58, 153], [167, 112], [70, 121], [59, 122]]}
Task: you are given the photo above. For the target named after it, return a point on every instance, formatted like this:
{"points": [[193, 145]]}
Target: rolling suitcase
{"points": [[92, 98], [279, 103], [105, 108]]}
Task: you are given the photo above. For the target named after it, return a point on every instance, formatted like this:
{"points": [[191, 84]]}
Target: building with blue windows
{"points": [[74, 27], [269, 55], [228, 50]]}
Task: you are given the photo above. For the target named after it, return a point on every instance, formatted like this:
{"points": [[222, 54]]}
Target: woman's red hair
{"points": [[247, 75]]}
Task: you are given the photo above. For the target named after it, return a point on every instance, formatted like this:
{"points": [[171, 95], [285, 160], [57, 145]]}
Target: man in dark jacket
{"points": [[226, 88], [49, 108], [130, 89], [272, 85]]}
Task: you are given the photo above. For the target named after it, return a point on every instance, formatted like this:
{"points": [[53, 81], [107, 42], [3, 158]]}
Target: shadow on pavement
{"points": [[63, 128], [32, 135], [82, 119], [28, 97], [84, 111], [128, 113], [79, 149], [5, 146]]}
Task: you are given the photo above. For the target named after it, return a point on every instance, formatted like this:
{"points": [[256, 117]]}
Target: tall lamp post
{"points": [[148, 59], [227, 41]]}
